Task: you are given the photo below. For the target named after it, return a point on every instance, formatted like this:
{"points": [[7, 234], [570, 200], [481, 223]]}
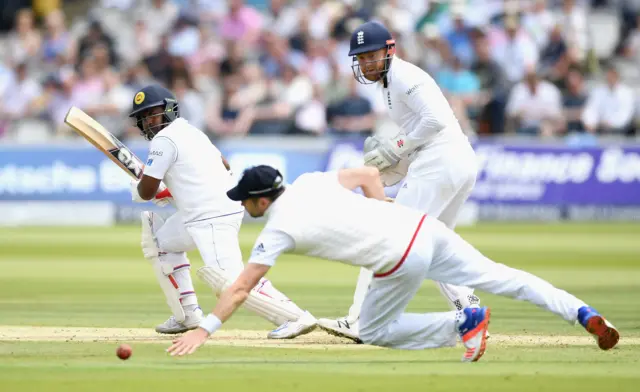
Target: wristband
{"points": [[211, 323]]}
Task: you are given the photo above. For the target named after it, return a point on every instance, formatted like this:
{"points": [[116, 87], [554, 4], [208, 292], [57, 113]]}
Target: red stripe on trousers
{"points": [[406, 252]]}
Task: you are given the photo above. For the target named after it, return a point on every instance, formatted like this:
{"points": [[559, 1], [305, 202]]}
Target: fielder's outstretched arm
{"points": [[229, 301], [365, 177], [232, 298]]}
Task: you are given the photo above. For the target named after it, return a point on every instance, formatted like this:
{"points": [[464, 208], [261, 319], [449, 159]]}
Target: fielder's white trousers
{"points": [[440, 254], [438, 183]]}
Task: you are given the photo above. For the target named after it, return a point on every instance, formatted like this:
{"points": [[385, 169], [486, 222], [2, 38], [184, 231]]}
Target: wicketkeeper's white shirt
{"points": [[416, 104], [191, 166], [317, 216]]}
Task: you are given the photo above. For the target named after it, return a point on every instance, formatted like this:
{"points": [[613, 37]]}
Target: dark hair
{"points": [[271, 196]]}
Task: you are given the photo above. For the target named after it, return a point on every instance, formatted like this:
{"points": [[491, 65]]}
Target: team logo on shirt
{"points": [[259, 249], [149, 162], [414, 88], [139, 98]]}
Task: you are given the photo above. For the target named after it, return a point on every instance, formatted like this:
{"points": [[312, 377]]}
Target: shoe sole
{"points": [[304, 331], [333, 332], [607, 336], [483, 343], [176, 331]]}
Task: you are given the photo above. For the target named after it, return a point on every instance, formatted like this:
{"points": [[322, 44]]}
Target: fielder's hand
{"points": [[189, 343]]}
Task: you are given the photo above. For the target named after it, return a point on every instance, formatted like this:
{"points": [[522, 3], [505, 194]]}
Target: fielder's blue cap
{"points": [[258, 181]]}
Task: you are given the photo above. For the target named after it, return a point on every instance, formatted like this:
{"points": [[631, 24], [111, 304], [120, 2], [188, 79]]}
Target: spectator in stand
{"points": [[19, 94], [95, 37], [574, 99], [538, 22], [23, 44], [555, 59], [311, 119], [462, 88], [146, 42], [493, 88], [159, 64], [573, 20], [353, 115], [433, 49], [317, 63], [516, 52], [460, 38], [241, 23], [534, 107], [112, 108], [56, 46], [610, 106], [158, 15], [185, 37], [191, 102], [89, 86], [283, 18]]}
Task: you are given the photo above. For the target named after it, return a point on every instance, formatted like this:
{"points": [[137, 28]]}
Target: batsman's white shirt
{"points": [[191, 166], [317, 216]]}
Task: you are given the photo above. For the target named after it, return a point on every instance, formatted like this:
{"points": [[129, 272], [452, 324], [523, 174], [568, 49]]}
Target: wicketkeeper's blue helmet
{"points": [[370, 37]]}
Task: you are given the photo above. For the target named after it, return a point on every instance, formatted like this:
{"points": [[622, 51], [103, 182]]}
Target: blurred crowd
{"points": [[247, 67]]}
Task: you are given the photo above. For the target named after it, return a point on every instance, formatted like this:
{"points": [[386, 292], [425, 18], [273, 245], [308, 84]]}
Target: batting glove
{"points": [[163, 197], [135, 196]]}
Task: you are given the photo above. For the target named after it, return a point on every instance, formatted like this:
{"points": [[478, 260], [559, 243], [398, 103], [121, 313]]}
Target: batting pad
{"points": [[170, 288], [161, 270], [264, 300]]}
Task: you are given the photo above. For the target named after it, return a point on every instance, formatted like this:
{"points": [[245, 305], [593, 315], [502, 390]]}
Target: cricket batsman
{"points": [[197, 178], [431, 153], [401, 245]]}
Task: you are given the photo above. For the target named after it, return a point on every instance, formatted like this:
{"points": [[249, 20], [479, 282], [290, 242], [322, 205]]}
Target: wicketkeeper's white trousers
{"points": [[438, 183], [438, 253]]}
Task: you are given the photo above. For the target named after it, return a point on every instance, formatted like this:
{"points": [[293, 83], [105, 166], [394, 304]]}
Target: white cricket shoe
{"points": [[292, 329], [341, 327], [191, 321]]}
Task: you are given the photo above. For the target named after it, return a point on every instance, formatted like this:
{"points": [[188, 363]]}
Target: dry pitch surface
{"points": [[248, 338]]}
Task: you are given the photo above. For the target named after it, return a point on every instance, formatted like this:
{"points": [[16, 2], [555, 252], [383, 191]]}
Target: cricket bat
{"points": [[104, 141]]}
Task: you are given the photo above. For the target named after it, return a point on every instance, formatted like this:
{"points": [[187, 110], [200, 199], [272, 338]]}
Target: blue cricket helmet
{"points": [[149, 97], [370, 37]]}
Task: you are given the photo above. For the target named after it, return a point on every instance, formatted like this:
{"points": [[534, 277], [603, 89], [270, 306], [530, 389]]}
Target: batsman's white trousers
{"points": [[216, 239], [439, 253], [438, 183]]}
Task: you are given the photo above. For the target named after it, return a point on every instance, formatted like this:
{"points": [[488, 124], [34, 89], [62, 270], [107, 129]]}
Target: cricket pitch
{"points": [[248, 338]]}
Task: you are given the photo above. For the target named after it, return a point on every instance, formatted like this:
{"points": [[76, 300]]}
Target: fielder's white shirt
{"points": [[191, 167], [317, 216], [418, 106]]}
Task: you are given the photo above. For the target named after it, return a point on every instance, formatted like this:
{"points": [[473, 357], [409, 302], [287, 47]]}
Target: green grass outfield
{"points": [[68, 296]]}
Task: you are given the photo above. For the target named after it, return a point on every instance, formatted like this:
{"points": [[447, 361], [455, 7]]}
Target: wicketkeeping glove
{"points": [[388, 153]]}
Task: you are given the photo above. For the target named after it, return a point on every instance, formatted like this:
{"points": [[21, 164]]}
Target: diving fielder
{"points": [[401, 245], [197, 178], [431, 153]]}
